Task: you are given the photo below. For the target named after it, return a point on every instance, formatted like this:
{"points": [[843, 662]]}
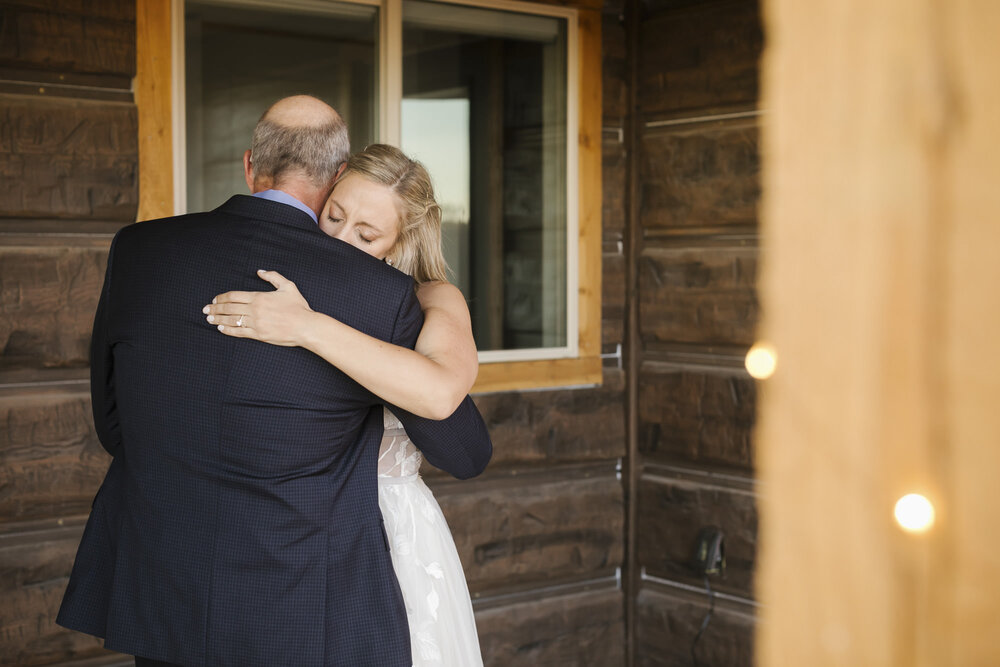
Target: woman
{"points": [[384, 205]]}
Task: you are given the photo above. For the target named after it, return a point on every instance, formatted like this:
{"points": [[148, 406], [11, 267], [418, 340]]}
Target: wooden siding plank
{"points": [[579, 629], [530, 532], [34, 570], [698, 295], [613, 162], [51, 462], [62, 158], [615, 67], [698, 58], [47, 301], [696, 416], [70, 36], [668, 624], [613, 298], [707, 175], [557, 426], [671, 514]]}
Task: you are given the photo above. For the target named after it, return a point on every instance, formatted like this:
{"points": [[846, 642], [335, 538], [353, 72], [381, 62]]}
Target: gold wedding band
{"points": [[239, 322]]}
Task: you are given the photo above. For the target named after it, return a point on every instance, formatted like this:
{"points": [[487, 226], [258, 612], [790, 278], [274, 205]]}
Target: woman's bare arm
{"points": [[430, 381]]}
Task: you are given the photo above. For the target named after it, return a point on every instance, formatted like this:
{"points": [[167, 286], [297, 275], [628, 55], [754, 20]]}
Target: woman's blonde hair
{"points": [[418, 249]]}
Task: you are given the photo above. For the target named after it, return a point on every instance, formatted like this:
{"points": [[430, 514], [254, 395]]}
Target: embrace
{"points": [[263, 505]]}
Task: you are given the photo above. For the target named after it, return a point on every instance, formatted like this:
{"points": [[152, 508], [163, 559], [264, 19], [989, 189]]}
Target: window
{"points": [[488, 97]]}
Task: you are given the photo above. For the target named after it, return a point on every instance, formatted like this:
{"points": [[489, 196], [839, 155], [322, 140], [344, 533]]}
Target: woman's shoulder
{"points": [[440, 294]]}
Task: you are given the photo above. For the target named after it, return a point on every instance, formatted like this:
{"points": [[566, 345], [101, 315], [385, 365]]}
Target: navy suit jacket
{"points": [[238, 523]]}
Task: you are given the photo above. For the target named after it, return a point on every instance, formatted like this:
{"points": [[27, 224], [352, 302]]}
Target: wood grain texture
{"points": [[698, 58], [613, 298], [671, 514], [523, 533], [34, 568], [698, 295], [705, 175], [518, 375], [589, 157], [51, 462], [559, 631], [668, 624], [47, 301], [153, 101], [67, 159], [614, 160], [557, 426], [69, 36], [615, 66], [880, 294], [696, 416]]}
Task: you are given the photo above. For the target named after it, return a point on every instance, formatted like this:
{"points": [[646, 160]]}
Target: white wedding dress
{"points": [[438, 607]]}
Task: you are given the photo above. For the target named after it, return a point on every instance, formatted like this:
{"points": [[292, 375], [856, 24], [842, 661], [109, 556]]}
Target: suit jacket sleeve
{"points": [[102, 380], [459, 445]]}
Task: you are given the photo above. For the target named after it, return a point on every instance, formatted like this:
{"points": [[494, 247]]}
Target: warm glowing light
{"points": [[914, 513], [761, 361]]}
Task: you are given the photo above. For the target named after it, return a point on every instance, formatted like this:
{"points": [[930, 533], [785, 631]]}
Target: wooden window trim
{"points": [[154, 99]]}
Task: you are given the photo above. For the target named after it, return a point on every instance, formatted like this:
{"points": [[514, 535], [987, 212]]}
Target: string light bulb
{"points": [[914, 513], [761, 361]]}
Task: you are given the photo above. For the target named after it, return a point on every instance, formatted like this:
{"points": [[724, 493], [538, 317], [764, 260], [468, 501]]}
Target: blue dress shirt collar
{"points": [[285, 198]]}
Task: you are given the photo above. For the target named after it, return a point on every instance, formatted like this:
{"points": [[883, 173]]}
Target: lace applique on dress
{"points": [[397, 456]]}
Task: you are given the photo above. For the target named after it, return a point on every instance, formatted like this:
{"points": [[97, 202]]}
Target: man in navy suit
{"points": [[238, 523]]}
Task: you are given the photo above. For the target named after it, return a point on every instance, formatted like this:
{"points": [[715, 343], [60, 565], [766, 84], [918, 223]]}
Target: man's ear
{"points": [[340, 171], [248, 169]]}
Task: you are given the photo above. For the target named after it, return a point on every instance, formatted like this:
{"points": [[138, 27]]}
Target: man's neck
{"points": [[304, 193]]}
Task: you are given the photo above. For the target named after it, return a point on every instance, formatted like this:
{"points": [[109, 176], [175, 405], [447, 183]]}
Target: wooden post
{"points": [[152, 98], [880, 289]]}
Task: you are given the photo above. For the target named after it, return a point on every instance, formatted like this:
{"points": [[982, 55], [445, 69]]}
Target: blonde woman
{"points": [[383, 204]]}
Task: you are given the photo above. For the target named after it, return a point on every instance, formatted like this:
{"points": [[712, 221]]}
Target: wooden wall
{"points": [[692, 272], [68, 167]]}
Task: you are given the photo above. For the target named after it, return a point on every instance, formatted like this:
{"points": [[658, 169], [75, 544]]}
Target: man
{"points": [[238, 523]]}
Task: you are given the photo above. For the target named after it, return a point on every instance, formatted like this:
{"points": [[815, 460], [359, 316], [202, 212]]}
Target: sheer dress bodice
{"points": [[397, 456], [438, 607]]}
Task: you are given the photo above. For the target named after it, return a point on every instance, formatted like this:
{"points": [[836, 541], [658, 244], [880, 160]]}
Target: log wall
{"points": [[68, 164], [692, 315]]}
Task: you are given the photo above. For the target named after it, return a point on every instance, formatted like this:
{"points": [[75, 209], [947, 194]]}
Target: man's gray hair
{"points": [[279, 151]]}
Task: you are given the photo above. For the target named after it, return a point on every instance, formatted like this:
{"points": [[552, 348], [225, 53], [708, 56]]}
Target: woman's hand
{"points": [[279, 317]]}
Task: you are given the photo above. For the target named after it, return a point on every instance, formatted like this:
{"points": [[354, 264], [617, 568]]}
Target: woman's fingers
{"points": [[275, 279], [234, 320], [237, 332], [234, 297]]}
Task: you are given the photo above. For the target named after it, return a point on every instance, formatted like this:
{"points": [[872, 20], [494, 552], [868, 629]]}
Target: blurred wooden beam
{"points": [[879, 292]]}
